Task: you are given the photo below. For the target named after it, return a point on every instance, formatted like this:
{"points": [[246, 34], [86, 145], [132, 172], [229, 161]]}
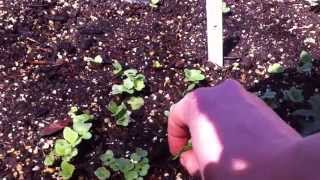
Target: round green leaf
{"points": [[128, 83], [49, 160], [82, 128], [117, 89], [141, 152], [62, 147], [193, 75], [124, 164], [107, 158], [82, 118], [70, 135], [67, 170], [130, 72], [275, 68], [102, 173], [68, 158], [131, 175], [136, 103]]}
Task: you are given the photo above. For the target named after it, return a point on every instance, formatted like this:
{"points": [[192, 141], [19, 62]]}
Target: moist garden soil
{"points": [[43, 72]]}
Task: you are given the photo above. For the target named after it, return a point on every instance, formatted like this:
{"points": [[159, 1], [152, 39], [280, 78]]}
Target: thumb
{"points": [[189, 161]]}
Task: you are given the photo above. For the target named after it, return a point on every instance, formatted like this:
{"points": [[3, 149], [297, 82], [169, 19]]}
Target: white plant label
{"points": [[215, 31]]}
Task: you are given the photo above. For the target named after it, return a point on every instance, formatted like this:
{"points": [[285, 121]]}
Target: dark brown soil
{"points": [[42, 71]]}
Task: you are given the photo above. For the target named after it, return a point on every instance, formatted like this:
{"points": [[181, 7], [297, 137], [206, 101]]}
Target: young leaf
{"points": [[154, 3], [117, 68], [139, 82], [62, 147], [49, 160], [117, 89], [130, 73], [112, 107], [121, 114], [82, 128], [71, 155], [141, 152], [98, 60], [225, 8], [191, 87], [156, 65], [294, 95], [193, 75], [268, 94], [124, 121], [86, 136], [124, 164], [102, 173], [131, 175], [82, 118], [187, 147], [107, 158], [128, 83], [67, 170], [136, 103], [275, 68], [142, 168], [305, 57], [70, 135]]}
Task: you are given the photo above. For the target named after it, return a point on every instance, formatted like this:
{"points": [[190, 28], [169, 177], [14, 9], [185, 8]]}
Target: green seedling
{"points": [[269, 97], [66, 149], [67, 170], [117, 68], [225, 8], [136, 103], [187, 147], [193, 77], [97, 60], [156, 65], [305, 63], [154, 3], [120, 113], [102, 173], [136, 167], [311, 123], [166, 113], [294, 95], [314, 112], [132, 82], [275, 68]]}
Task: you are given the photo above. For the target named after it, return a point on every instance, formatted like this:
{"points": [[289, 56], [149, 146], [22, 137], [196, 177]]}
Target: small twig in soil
{"points": [[32, 40], [231, 58]]}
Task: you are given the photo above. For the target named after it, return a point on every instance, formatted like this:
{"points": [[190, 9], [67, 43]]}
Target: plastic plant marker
{"points": [[215, 31]]}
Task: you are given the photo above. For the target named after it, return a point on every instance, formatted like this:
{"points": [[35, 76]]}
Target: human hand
{"points": [[234, 134]]}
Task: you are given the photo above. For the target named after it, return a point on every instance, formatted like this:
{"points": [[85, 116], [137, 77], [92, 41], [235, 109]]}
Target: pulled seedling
{"points": [[193, 77], [305, 63]]}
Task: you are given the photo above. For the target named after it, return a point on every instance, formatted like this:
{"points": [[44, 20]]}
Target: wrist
{"points": [[298, 160]]}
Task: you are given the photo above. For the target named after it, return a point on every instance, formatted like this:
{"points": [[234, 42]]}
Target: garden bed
{"points": [[43, 74]]}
